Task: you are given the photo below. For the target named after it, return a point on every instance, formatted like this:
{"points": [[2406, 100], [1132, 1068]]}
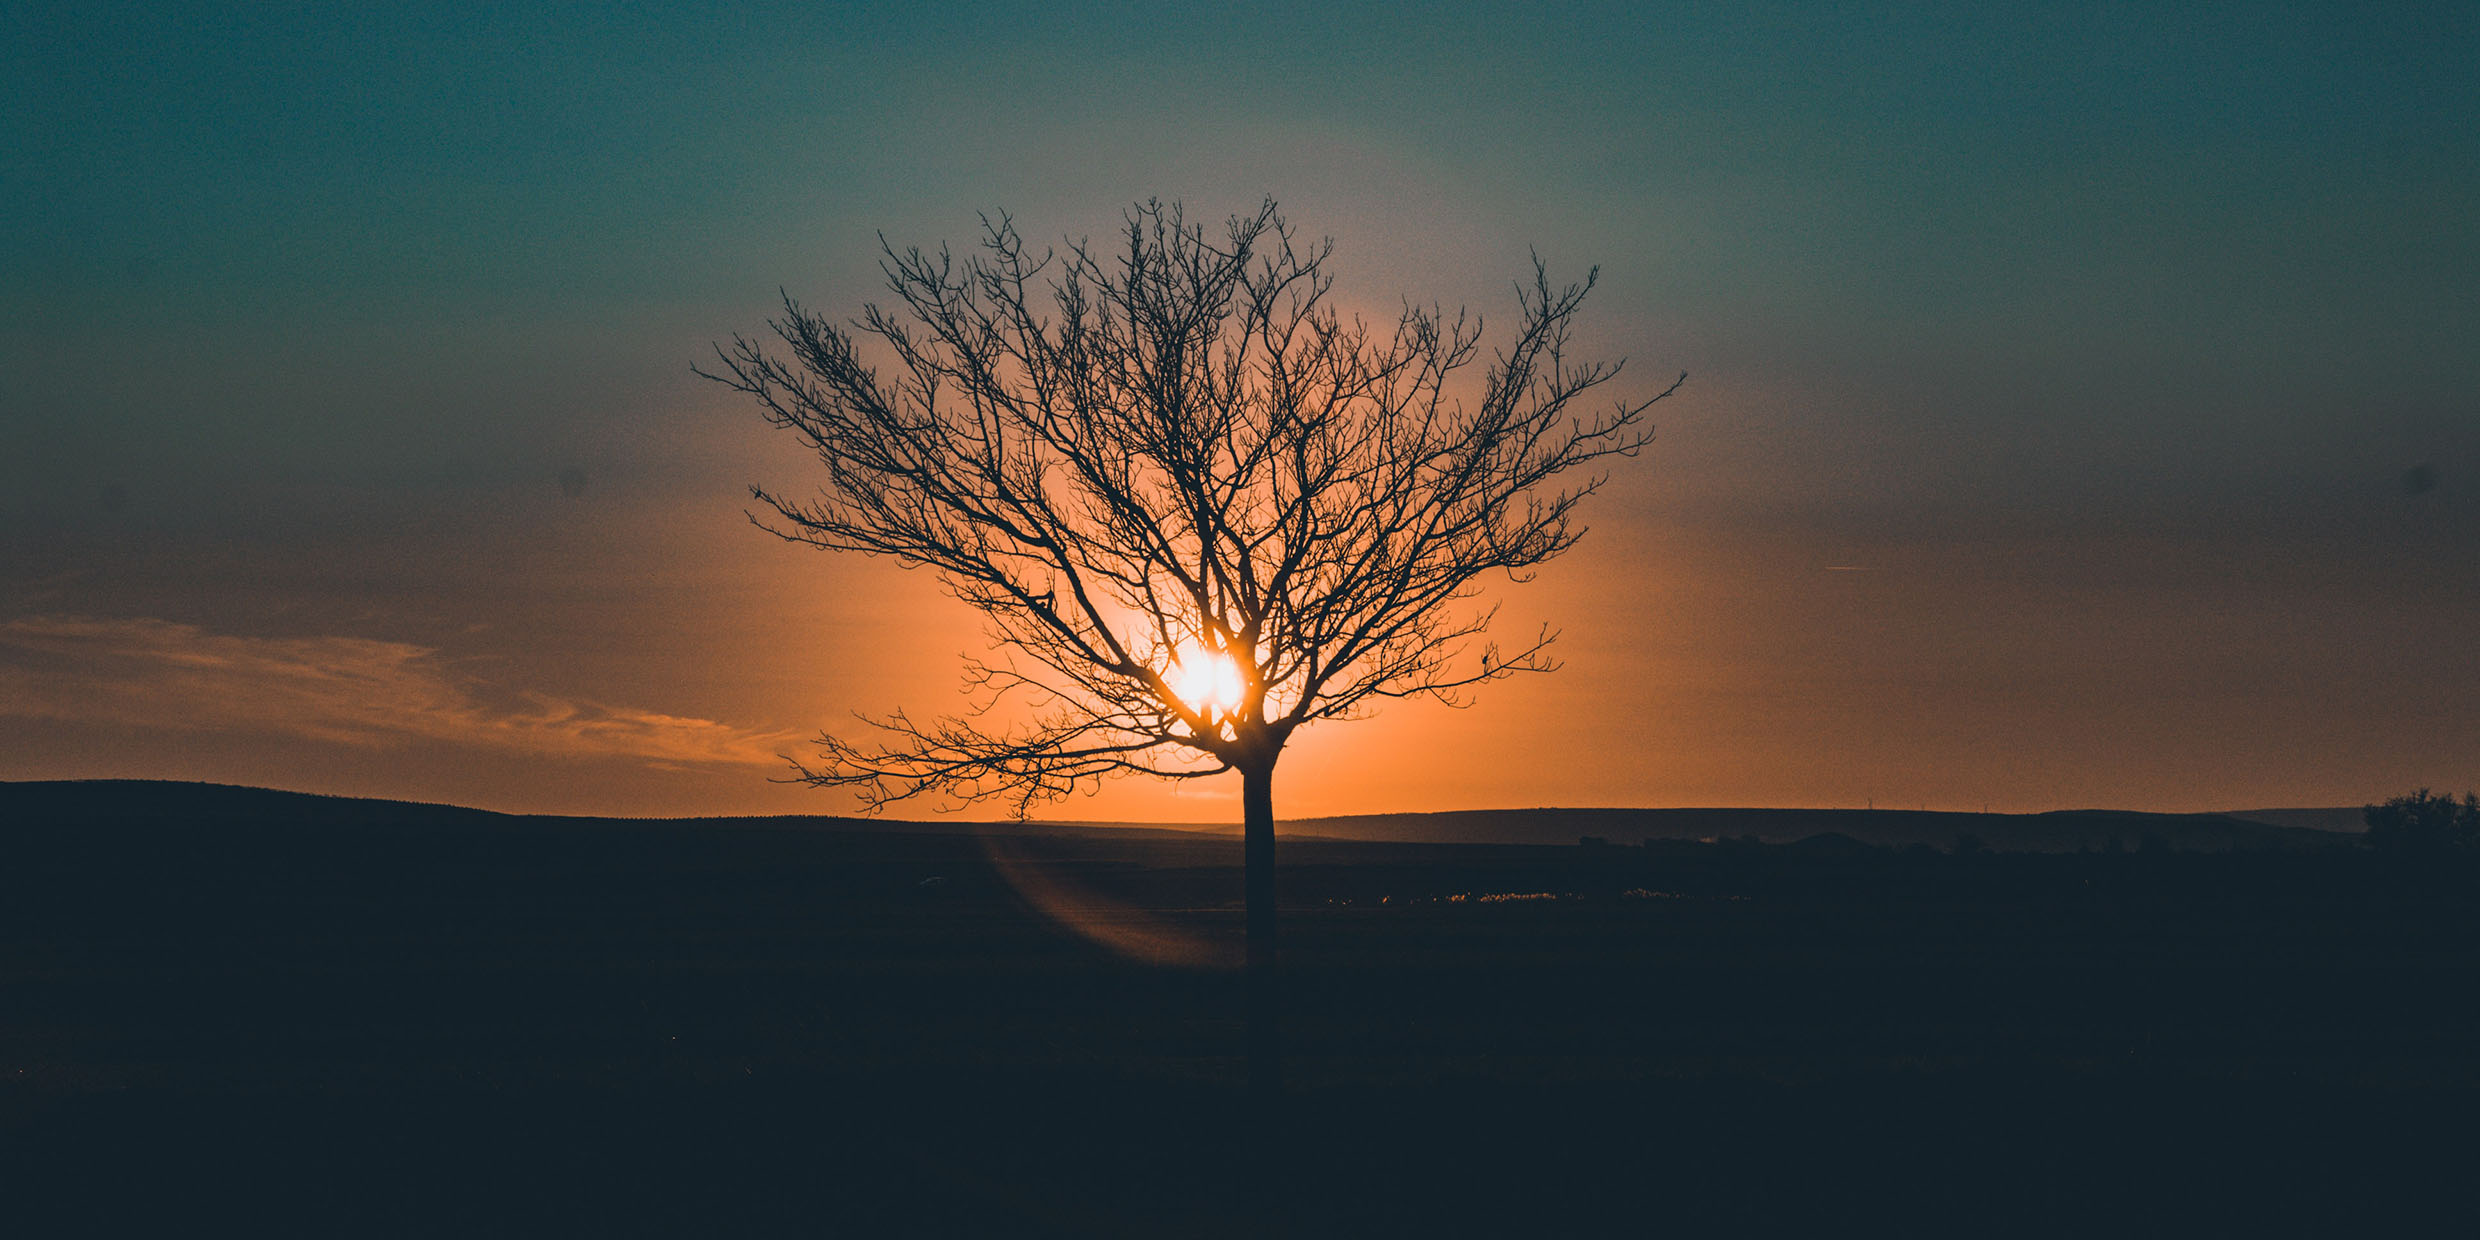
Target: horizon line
{"points": [[1188, 824]]}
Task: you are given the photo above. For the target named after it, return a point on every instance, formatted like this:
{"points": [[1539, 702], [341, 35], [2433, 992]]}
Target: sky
{"points": [[2083, 402]]}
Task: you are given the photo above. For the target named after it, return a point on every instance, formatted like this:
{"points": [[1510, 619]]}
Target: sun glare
{"points": [[1206, 681]]}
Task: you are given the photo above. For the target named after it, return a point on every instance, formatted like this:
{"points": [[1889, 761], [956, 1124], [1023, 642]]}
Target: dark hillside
{"points": [[341, 1018], [2059, 831], [2347, 819], [2085, 830]]}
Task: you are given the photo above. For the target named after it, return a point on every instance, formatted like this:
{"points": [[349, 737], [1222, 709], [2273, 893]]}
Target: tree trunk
{"points": [[1265, 1047]]}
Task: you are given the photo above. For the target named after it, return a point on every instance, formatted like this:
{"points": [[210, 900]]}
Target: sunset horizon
{"points": [[981, 815], [1239, 621], [2064, 434]]}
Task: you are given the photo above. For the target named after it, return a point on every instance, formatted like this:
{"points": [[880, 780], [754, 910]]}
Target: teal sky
{"points": [[2084, 407]]}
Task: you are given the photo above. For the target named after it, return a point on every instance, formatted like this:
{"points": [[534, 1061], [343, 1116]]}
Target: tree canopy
{"points": [[1174, 454], [2425, 822]]}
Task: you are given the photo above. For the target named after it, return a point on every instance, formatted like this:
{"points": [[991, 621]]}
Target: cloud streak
{"points": [[142, 672]]}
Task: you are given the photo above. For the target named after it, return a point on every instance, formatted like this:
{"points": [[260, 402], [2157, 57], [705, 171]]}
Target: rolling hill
{"points": [[207, 806]]}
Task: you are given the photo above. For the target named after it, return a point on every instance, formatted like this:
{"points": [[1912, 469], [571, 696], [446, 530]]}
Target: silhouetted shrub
{"points": [[2425, 822]]}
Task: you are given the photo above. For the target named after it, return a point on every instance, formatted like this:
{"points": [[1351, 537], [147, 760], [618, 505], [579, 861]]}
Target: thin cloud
{"points": [[345, 690]]}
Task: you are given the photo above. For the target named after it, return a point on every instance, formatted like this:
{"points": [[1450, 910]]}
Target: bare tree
{"points": [[1198, 506]]}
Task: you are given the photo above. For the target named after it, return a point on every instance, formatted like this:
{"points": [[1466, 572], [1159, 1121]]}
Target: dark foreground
{"points": [[674, 1029]]}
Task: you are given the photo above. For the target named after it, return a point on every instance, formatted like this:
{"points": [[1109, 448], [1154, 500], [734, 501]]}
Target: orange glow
{"points": [[1206, 681]]}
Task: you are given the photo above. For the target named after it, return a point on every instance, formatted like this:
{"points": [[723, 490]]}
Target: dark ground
{"points": [[435, 1026]]}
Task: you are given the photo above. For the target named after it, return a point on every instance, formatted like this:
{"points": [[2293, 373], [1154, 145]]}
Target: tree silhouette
{"points": [[1198, 507], [2424, 823]]}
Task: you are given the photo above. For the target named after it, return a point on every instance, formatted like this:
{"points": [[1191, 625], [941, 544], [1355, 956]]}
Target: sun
{"points": [[1206, 681]]}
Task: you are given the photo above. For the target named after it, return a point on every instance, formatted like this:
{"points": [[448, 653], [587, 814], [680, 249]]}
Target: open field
{"points": [[341, 1022]]}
